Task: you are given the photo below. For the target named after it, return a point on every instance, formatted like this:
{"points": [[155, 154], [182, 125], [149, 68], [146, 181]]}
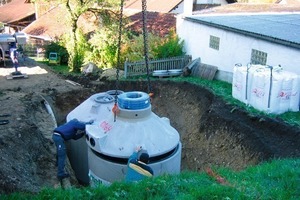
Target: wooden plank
{"points": [[11, 76], [193, 63], [207, 71]]}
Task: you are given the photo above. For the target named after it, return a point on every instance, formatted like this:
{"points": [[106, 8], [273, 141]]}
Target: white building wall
{"points": [[234, 48], [222, 2]]}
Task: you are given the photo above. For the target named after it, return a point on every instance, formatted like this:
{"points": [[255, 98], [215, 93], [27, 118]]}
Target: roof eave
{"points": [[20, 19], [46, 38]]}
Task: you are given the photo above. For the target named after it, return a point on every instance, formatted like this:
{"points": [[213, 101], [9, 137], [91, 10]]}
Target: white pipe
{"points": [[72, 82], [50, 111]]}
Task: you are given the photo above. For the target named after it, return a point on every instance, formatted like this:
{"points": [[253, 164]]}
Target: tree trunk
{"points": [[73, 63]]}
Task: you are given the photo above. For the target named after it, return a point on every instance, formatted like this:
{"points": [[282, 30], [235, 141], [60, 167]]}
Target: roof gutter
{"points": [[247, 33]]}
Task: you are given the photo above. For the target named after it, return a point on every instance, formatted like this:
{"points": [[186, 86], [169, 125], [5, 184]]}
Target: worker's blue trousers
{"points": [[61, 155]]}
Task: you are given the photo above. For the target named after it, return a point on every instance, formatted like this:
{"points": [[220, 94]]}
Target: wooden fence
{"points": [[139, 68]]}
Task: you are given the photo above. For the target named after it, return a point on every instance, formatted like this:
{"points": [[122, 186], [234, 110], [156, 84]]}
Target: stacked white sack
{"points": [[277, 95], [294, 94], [242, 80], [260, 86], [239, 83]]}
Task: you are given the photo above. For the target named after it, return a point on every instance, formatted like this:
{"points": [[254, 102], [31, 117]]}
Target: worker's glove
{"points": [[90, 122], [138, 148]]}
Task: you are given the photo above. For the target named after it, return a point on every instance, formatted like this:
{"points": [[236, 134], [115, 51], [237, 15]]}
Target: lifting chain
{"points": [[145, 35], [115, 108], [119, 45]]}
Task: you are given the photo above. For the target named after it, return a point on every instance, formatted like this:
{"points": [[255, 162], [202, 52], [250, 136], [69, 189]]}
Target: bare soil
{"points": [[213, 133]]}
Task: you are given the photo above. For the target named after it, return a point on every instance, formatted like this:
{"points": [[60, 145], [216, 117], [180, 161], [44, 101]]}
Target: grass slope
{"points": [[277, 179]]}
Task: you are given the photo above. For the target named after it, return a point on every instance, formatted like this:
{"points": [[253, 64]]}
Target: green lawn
{"points": [[278, 179]]}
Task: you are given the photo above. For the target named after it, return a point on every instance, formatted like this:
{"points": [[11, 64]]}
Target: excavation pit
{"points": [[212, 132]]}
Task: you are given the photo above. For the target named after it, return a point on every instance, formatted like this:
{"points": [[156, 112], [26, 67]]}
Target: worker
{"points": [[137, 168], [73, 129], [14, 58]]}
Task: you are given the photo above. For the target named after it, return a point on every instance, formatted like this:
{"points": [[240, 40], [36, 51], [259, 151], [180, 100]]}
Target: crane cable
{"points": [[145, 35], [115, 109], [146, 49]]}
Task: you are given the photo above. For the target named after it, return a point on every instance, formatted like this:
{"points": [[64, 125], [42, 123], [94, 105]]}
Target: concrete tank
{"points": [[110, 141]]}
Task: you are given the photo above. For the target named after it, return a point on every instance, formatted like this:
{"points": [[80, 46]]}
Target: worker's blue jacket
{"points": [[137, 170], [69, 130]]}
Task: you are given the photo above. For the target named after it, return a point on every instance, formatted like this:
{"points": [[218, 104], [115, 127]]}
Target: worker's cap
{"points": [[143, 156]]}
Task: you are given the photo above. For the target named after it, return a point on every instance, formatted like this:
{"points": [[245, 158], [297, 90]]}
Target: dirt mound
{"points": [[212, 132]]}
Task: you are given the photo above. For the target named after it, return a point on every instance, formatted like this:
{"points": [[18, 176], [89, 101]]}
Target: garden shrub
{"points": [[59, 48]]}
